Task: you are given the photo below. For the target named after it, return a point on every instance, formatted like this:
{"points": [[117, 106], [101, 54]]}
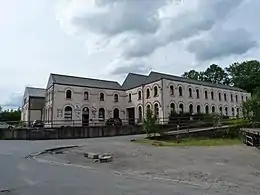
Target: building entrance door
{"points": [[131, 115]]}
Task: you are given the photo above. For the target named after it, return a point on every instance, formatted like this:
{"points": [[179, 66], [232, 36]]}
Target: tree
{"points": [[10, 115], [251, 108], [194, 75], [149, 123], [216, 74], [245, 75], [213, 74]]}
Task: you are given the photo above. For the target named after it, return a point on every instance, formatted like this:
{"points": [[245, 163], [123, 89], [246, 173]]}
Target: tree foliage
{"points": [[10, 115], [251, 108], [245, 75], [149, 123]]}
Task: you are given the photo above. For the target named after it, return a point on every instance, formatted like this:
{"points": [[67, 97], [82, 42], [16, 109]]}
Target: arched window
{"points": [[221, 110], [129, 97], [212, 95], [140, 115], [139, 95], [190, 92], [198, 109], [213, 109], [85, 95], [219, 96], [198, 93], [155, 91], [233, 111], [171, 90], [231, 97], [156, 110], [225, 97], [148, 107], [101, 113], [246, 98], [172, 107], [181, 107], [237, 112], [207, 109], [102, 97], [206, 95], [191, 108], [116, 113], [116, 98], [68, 113], [242, 98], [147, 93], [180, 91], [68, 94], [226, 111], [236, 98]]}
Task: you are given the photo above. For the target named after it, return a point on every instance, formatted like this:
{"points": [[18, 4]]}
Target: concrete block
{"points": [[91, 155], [105, 158]]}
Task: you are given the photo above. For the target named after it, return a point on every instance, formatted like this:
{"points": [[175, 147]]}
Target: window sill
{"points": [[68, 98], [156, 96]]}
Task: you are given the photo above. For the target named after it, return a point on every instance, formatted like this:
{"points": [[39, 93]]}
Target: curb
{"points": [[49, 150]]}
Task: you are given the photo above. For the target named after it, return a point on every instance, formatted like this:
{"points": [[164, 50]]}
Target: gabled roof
{"points": [[134, 80], [83, 82], [35, 92], [154, 76]]}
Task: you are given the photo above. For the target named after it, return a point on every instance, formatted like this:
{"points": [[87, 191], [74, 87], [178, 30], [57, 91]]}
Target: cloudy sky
{"points": [[109, 38]]}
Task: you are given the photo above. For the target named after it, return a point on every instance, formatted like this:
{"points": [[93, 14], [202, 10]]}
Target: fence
{"points": [[182, 120]]}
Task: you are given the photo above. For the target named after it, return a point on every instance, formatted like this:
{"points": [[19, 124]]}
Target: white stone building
{"points": [[84, 101]]}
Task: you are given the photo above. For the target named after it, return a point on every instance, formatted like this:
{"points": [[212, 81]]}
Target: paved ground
{"points": [[136, 169]]}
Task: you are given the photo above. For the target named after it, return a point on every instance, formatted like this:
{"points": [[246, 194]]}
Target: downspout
{"points": [[52, 102], [162, 100], [29, 112], [143, 100]]}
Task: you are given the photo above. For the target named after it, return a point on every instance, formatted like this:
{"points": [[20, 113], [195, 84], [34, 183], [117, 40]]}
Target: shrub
{"points": [[235, 125], [149, 123]]}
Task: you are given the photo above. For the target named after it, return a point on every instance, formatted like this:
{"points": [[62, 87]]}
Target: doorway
{"points": [[85, 116], [131, 115], [116, 113]]}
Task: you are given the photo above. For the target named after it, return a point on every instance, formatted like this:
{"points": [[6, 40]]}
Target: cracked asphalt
{"points": [[136, 169]]}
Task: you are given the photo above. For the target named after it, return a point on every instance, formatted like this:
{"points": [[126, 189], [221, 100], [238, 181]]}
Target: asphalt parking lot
{"points": [[229, 169]]}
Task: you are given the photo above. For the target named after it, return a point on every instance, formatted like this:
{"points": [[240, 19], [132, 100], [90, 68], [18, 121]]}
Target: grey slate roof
{"points": [[134, 80], [35, 92], [85, 82], [154, 76]]}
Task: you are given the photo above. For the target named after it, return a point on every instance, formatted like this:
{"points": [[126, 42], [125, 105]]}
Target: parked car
{"points": [[114, 121], [4, 125], [38, 123]]}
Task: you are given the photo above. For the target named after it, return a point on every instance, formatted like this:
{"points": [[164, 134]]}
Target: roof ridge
{"points": [[35, 88], [78, 77], [137, 74], [191, 80]]}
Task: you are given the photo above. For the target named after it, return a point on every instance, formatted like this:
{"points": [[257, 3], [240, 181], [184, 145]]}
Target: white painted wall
{"points": [[60, 102]]}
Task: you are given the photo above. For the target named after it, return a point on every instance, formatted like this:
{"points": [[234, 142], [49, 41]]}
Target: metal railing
{"points": [[182, 122]]}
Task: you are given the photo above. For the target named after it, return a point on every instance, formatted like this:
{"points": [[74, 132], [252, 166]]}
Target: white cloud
{"points": [[140, 28]]}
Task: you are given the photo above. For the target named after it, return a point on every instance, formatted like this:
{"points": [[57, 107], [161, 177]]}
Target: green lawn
{"points": [[192, 142]]}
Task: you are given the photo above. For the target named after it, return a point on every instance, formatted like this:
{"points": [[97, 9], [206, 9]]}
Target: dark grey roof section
{"points": [[134, 80], [35, 92], [154, 76], [84, 82]]}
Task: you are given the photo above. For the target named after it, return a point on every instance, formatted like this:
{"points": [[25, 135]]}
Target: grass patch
{"points": [[193, 142]]}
